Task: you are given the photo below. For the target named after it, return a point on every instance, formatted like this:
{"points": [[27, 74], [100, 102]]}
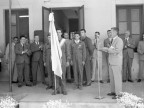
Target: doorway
{"points": [[69, 19], [19, 23]]}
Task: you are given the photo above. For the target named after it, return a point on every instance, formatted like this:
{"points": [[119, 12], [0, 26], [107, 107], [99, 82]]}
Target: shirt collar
{"points": [[115, 37], [77, 41]]}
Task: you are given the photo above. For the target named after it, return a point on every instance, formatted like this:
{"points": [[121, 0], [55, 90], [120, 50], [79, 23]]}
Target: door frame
{"points": [[60, 8]]}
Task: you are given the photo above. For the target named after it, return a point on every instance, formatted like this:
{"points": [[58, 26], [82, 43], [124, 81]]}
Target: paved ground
{"points": [[40, 94]]}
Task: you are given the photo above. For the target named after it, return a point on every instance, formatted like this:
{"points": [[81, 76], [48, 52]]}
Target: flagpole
{"points": [[55, 84], [99, 85], [10, 49]]}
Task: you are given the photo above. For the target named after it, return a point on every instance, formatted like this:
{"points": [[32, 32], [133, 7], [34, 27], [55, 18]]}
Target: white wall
{"points": [[100, 15]]}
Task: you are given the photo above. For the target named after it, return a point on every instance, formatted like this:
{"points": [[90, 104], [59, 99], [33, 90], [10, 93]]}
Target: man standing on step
{"points": [[89, 54], [115, 63], [61, 83], [37, 60], [23, 52]]}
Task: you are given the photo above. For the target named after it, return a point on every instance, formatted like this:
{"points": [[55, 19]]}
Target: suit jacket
{"points": [[115, 52], [22, 57], [13, 52], [89, 48], [47, 53], [140, 50], [65, 52], [107, 42], [36, 51], [129, 49]]}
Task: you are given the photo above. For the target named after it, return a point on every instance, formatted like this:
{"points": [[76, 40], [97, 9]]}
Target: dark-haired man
{"points": [[22, 51], [107, 43], [128, 55], [61, 83], [37, 59], [89, 53], [78, 56], [14, 70]]}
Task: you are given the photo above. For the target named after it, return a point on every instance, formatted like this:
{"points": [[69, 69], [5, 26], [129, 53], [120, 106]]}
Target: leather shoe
{"points": [[56, 92], [64, 93], [101, 81], [139, 80], [89, 84], [49, 87], [111, 94], [114, 97], [20, 85], [130, 81], [29, 84]]}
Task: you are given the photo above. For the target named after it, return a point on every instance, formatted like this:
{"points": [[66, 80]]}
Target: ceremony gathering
{"points": [[72, 54]]}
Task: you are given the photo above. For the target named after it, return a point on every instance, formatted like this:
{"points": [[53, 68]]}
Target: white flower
{"points": [[7, 102], [130, 100], [56, 104]]}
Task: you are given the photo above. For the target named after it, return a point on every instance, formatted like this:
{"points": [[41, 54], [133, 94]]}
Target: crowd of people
{"points": [[81, 60]]}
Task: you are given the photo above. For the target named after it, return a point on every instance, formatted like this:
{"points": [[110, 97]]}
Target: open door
{"points": [[45, 17], [81, 17]]}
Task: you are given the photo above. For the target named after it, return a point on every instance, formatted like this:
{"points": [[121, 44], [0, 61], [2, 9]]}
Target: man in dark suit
{"points": [[22, 51], [128, 55], [48, 62], [89, 54], [37, 59]]}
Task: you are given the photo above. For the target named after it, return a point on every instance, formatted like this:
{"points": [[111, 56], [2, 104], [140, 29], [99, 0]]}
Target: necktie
{"points": [[23, 47], [111, 41]]}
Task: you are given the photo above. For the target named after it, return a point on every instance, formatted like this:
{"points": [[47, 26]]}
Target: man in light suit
{"points": [[107, 43], [14, 69], [128, 55], [141, 59], [115, 63], [37, 59], [97, 57], [23, 52]]}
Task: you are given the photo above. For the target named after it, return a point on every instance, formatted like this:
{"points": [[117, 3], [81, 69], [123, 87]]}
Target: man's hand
{"points": [[25, 51], [44, 64], [83, 63], [67, 64], [71, 63]]}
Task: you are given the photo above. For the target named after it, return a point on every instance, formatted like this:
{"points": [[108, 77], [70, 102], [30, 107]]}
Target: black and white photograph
{"points": [[71, 53]]}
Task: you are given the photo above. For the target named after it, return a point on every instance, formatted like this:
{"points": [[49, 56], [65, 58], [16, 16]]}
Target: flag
{"points": [[56, 52]]}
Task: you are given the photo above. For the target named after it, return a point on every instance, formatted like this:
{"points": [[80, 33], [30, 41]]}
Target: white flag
{"points": [[56, 52]]}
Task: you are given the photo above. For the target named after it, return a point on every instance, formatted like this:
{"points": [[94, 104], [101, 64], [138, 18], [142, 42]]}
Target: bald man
{"points": [[128, 55]]}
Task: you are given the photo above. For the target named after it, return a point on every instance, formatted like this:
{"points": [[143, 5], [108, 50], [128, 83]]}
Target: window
{"points": [[130, 18]]}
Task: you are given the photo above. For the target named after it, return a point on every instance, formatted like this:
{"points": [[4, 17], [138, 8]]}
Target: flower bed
{"points": [[130, 101]]}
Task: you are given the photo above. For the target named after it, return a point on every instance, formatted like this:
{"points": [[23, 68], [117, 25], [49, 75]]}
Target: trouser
{"points": [[50, 74], [97, 65], [14, 71], [87, 71], [68, 72], [115, 78], [127, 65], [35, 65], [141, 69], [78, 72], [23, 73], [61, 82]]}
